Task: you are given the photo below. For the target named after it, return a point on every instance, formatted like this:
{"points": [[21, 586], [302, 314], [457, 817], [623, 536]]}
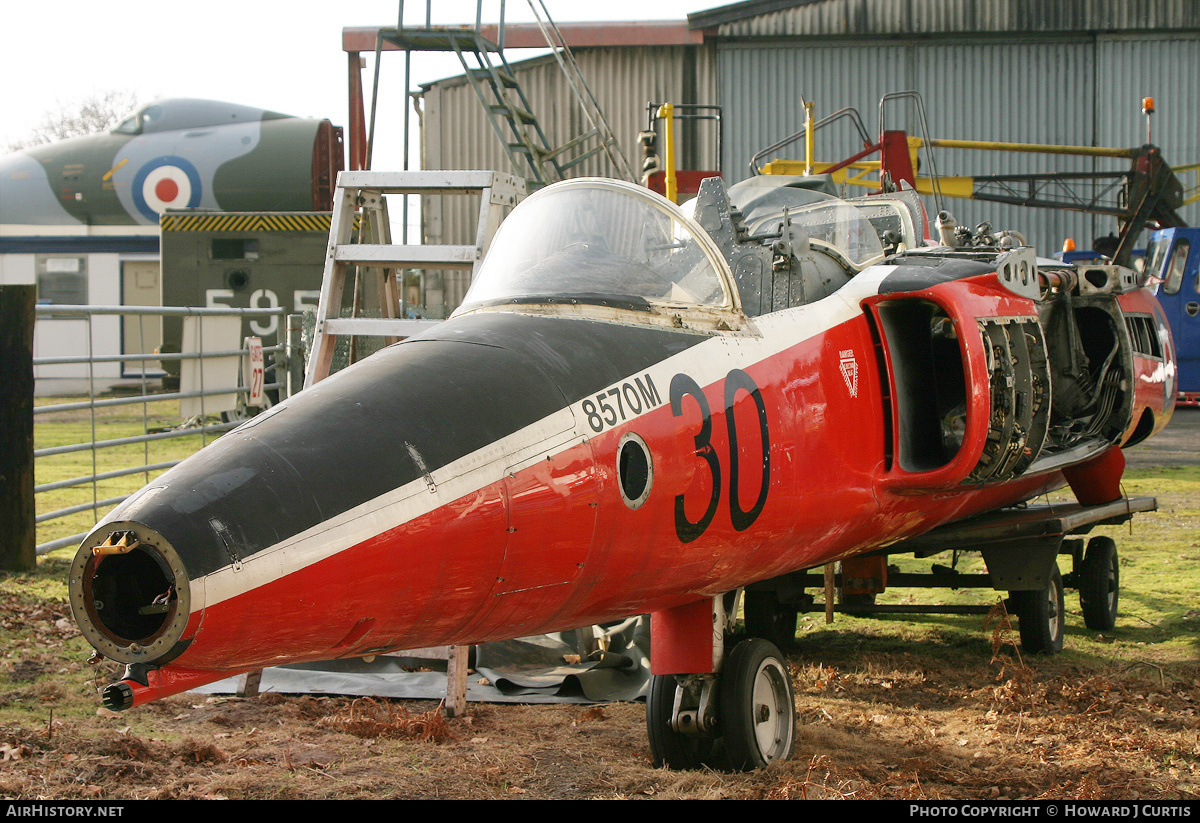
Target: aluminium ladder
{"points": [[363, 194]]}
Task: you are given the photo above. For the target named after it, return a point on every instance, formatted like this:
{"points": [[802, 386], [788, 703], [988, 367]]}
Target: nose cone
{"points": [[253, 549], [130, 594], [26, 194]]}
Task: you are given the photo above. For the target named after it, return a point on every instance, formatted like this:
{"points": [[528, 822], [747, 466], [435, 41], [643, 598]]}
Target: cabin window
{"points": [[130, 125], [226, 248], [1174, 275], [62, 280]]}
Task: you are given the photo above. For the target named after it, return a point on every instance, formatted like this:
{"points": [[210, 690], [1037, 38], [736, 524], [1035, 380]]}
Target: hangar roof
{"points": [[577, 35], [799, 18]]}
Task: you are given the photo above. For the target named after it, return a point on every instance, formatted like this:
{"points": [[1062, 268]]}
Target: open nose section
{"points": [[130, 594]]}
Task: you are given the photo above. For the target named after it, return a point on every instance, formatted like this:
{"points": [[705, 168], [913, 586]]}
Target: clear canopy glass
{"points": [[598, 241], [843, 226]]}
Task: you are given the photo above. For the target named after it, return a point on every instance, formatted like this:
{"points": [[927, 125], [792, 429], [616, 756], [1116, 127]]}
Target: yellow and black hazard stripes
{"points": [[246, 221]]}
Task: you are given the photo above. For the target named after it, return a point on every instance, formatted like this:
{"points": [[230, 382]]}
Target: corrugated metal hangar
{"points": [[1070, 72]]}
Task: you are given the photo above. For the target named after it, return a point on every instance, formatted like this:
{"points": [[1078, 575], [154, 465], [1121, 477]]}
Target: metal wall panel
{"points": [[841, 18], [1164, 67], [1018, 92], [763, 88], [457, 135], [1069, 90], [1077, 89]]}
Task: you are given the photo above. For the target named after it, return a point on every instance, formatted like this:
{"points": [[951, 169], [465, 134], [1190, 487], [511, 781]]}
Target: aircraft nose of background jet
{"points": [[26, 194]]}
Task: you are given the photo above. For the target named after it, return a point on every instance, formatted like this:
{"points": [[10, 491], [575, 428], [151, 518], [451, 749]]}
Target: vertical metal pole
{"points": [[407, 91], [398, 273], [295, 363], [374, 100], [201, 364], [145, 403], [667, 113], [92, 410], [809, 138]]}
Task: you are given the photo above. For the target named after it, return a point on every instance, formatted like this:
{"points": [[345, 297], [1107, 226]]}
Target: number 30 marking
{"points": [[742, 519]]}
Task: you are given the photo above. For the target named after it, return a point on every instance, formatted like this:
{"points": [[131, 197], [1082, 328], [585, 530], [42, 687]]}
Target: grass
{"points": [[1159, 620], [46, 655], [889, 706], [110, 423]]}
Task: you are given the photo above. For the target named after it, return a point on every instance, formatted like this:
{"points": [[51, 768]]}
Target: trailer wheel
{"points": [[758, 707], [769, 619], [668, 747], [1040, 616], [1099, 580]]}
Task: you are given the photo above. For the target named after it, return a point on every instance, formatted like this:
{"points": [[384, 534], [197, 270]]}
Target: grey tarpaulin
{"points": [[525, 670]]}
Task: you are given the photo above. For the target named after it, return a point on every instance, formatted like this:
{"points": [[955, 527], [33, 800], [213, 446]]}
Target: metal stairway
{"points": [[601, 133], [508, 110], [373, 262]]}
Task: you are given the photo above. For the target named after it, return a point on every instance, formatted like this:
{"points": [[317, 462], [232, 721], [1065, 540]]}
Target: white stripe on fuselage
{"points": [[705, 362]]}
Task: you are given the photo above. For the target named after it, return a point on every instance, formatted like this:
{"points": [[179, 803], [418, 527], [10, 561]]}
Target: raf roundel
{"points": [[166, 183]]}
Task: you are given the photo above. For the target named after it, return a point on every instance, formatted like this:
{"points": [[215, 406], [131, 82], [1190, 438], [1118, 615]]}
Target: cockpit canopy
{"points": [[179, 114], [600, 242], [604, 242]]}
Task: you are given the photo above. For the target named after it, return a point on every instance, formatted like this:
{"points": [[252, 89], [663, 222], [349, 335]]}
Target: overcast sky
{"points": [[285, 56]]}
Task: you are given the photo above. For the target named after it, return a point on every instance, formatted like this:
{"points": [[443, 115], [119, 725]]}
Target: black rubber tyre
{"points": [[1040, 616], [668, 747], [1099, 581], [758, 707], [769, 619]]}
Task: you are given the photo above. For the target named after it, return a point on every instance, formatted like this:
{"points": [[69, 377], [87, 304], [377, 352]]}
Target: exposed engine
{"points": [[1057, 372]]}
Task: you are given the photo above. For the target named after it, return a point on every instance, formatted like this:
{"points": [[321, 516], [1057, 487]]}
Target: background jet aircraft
{"points": [[637, 411], [174, 154]]}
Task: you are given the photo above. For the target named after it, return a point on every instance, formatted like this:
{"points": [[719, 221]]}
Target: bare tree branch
{"points": [[92, 114]]}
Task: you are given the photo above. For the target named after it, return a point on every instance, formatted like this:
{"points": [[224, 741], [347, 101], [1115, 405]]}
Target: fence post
{"points": [[17, 513]]}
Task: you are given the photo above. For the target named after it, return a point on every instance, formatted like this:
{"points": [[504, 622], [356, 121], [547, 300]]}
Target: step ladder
{"points": [[374, 264]]}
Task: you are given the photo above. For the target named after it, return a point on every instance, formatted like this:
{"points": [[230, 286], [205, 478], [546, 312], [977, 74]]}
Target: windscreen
{"points": [[597, 241]]}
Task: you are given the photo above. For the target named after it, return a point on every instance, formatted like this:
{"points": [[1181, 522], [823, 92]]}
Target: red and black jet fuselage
{"points": [[634, 411]]}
